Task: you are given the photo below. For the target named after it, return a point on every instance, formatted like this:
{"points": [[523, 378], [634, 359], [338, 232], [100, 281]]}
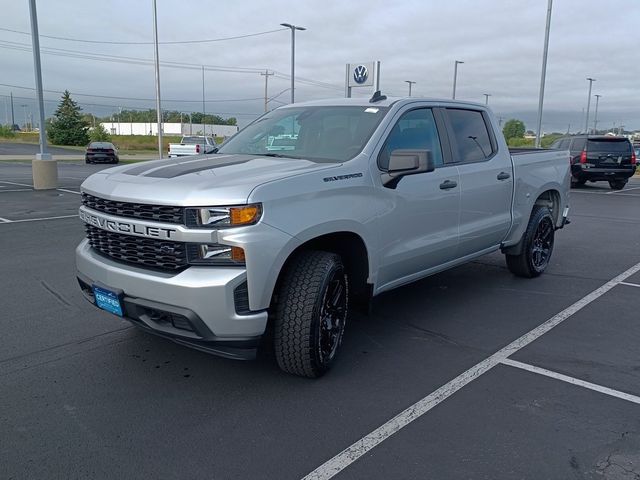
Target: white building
{"points": [[144, 128]]}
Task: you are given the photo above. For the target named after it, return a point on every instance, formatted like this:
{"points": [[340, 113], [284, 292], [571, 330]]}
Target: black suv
{"points": [[599, 158]]}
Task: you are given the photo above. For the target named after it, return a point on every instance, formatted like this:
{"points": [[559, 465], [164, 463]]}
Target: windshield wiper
{"points": [[276, 155]]}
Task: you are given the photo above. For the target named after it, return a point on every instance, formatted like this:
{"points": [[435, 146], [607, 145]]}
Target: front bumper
{"points": [[199, 299]]}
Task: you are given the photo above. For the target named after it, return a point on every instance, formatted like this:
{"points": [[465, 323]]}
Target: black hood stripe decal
{"points": [[175, 168]]}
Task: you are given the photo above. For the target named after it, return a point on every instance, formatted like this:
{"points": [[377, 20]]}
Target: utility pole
{"points": [[543, 75], [410, 83], [486, 98], [24, 110], [586, 122], [266, 75], [204, 124], [12, 119], [595, 120], [156, 57]]}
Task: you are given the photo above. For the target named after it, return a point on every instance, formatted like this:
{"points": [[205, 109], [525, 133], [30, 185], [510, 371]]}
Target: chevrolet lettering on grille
{"points": [[130, 228]]}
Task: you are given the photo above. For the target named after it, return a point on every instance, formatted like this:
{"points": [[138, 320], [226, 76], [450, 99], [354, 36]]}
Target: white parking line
{"points": [[38, 219], [68, 191], [16, 190], [630, 284], [622, 191], [352, 453], [573, 381], [5, 220], [16, 183]]}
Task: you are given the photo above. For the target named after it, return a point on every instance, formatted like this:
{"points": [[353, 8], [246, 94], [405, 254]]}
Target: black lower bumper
{"points": [[601, 174], [178, 324]]}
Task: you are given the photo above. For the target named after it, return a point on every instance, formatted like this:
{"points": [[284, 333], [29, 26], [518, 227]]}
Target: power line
{"points": [[143, 61], [178, 42], [134, 98]]}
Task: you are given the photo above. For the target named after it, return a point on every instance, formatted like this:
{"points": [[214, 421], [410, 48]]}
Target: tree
{"points": [[513, 129], [67, 126], [99, 134]]}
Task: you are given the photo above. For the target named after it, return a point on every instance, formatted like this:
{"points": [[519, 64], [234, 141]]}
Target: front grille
{"points": [[150, 253], [160, 213]]}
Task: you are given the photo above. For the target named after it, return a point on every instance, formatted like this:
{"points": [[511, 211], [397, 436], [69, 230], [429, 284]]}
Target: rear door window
{"points": [[472, 140]]}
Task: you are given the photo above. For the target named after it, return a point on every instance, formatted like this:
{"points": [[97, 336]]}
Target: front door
{"points": [[419, 227]]}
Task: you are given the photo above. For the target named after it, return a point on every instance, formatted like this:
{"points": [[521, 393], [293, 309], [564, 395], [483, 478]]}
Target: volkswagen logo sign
{"points": [[360, 74]]}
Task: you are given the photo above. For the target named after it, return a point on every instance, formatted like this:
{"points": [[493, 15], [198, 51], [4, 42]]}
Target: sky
{"points": [[500, 42]]}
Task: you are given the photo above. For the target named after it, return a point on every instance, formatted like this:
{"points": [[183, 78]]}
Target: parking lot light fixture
{"points": [[455, 77], [586, 122], [595, 119], [293, 55], [410, 83], [486, 98]]}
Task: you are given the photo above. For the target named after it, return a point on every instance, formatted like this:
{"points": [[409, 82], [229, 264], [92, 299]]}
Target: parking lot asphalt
{"points": [[85, 395]]}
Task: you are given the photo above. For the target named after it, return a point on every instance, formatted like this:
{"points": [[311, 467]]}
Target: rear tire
{"points": [[578, 183], [537, 245], [617, 184], [311, 312]]}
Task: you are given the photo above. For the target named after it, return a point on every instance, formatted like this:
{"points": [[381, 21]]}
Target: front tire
{"points": [[311, 312], [537, 245]]}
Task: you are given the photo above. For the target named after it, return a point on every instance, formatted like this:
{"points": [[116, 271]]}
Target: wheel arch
{"points": [[549, 198]]}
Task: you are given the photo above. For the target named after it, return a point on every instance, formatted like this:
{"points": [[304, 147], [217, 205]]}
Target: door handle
{"points": [[503, 176], [447, 184]]}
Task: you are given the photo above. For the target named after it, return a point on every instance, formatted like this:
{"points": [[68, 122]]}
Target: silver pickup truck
{"points": [[214, 251], [192, 145]]}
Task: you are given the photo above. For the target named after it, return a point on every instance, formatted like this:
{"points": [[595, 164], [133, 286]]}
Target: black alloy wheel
{"points": [[536, 245], [332, 316]]}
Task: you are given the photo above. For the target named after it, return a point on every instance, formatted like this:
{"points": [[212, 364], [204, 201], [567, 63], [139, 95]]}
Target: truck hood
{"points": [[193, 181]]}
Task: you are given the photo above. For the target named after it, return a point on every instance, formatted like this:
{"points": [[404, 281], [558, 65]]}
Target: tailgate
{"points": [[182, 149], [609, 153]]}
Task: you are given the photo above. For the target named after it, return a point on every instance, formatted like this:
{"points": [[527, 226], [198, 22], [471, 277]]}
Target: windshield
{"points": [[322, 134]]}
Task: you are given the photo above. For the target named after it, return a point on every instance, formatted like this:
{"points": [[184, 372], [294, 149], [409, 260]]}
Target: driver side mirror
{"points": [[407, 162]]}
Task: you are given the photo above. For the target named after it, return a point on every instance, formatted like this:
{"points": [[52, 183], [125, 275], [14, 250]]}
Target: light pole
{"points": [[44, 168], [410, 83], [293, 55], [157, 62], [543, 75], [486, 98], [586, 123], [595, 120], [455, 77]]}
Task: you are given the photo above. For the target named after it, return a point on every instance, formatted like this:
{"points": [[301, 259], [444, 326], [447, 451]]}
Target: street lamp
{"points": [[586, 123], [410, 83], [595, 120], [543, 74], [293, 54], [156, 59], [455, 77], [486, 98]]}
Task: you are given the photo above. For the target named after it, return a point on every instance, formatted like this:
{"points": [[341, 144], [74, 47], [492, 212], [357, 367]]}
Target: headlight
{"points": [[224, 217], [215, 254]]}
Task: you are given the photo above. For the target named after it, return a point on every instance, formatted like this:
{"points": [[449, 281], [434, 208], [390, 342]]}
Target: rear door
{"points": [[486, 180], [419, 229]]}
